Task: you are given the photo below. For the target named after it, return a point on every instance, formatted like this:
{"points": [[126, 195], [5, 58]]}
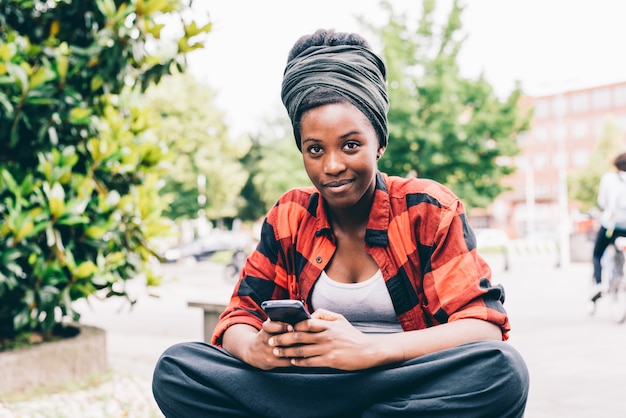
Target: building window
{"points": [[540, 160], [580, 158], [559, 105], [560, 132], [580, 129], [540, 133], [599, 126], [560, 159], [620, 95], [580, 102], [541, 108], [601, 98]]}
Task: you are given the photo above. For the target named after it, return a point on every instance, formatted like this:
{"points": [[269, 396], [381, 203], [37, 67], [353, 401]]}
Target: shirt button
{"points": [[318, 259]]}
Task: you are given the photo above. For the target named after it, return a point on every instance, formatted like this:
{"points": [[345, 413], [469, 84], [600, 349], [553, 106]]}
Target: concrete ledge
{"points": [[54, 363], [212, 312]]}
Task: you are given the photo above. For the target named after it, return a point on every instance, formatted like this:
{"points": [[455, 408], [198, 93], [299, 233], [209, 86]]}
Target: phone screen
{"points": [[285, 310]]}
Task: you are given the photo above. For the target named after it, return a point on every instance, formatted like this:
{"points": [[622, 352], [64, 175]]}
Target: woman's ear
{"points": [[380, 152]]}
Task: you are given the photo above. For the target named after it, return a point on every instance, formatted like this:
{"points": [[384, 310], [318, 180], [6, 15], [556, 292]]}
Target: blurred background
{"points": [[142, 143], [559, 61]]}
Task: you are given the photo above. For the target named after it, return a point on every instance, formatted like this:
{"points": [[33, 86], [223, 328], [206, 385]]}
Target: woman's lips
{"points": [[338, 186]]}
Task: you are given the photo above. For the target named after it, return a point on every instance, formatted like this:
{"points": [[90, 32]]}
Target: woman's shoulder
{"points": [[296, 210], [401, 187], [298, 195], [296, 202]]}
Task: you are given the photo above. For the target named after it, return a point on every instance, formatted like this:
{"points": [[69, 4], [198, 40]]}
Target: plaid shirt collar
{"points": [[378, 223]]}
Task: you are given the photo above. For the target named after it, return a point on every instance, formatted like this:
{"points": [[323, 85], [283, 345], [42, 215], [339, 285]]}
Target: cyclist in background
{"points": [[612, 201]]}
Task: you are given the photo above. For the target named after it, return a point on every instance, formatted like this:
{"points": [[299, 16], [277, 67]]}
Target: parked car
{"points": [[492, 238], [204, 247]]}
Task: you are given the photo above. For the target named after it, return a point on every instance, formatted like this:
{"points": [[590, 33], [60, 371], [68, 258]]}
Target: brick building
{"points": [[564, 131]]}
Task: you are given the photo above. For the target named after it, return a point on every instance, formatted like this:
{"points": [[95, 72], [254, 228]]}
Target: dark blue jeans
{"points": [[482, 379], [602, 242]]}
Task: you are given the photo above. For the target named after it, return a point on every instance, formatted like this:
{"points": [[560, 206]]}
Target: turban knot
{"points": [[354, 72]]}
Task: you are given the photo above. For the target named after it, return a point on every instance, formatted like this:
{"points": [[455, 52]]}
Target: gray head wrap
{"points": [[352, 71]]}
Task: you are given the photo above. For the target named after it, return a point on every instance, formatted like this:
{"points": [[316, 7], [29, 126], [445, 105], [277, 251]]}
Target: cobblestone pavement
{"points": [[123, 395], [577, 362]]}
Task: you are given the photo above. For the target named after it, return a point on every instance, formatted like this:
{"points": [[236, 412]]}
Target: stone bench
{"points": [[212, 312]]}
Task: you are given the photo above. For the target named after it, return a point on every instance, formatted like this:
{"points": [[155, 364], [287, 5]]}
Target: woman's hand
{"points": [[326, 340], [251, 346], [329, 340]]}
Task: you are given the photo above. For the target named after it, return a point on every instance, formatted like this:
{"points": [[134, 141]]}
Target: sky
{"points": [[547, 45]]}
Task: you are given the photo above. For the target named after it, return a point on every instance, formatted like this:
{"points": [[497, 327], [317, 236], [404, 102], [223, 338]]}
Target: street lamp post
{"points": [[202, 224], [563, 205], [530, 197], [201, 179]]}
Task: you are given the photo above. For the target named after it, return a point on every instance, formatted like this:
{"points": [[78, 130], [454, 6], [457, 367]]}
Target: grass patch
{"points": [[32, 338], [221, 257], [89, 382]]}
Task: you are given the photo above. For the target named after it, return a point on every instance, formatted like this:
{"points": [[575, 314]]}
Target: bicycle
{"points": [[617, 282], [613, 269], [233, 268]]}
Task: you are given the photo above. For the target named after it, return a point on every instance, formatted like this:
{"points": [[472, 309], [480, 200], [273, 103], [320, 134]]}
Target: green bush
{"points": [[80, 170]]}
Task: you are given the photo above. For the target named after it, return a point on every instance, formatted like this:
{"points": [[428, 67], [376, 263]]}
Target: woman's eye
{"points": [[351, 145], [314, 149]]}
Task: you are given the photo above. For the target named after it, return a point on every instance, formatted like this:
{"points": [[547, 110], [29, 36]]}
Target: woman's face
{"points": [[340, 150]]}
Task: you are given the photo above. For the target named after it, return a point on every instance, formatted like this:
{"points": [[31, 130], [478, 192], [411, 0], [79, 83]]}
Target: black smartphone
{"points": [[286, 310]]}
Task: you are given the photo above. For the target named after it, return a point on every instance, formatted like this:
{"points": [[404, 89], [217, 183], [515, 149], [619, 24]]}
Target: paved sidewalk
{"points": [[577, 362]]}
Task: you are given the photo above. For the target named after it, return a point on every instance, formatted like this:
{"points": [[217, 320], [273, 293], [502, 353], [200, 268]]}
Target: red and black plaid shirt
{"points": [[418, 235]]}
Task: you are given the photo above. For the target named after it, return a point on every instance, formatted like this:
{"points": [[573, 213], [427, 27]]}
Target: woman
{"points": [[404, 320]]}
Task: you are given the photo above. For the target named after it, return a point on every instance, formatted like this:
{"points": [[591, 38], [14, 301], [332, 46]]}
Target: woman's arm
{"points": [[407, 345], [329, 340], [251, 345]]}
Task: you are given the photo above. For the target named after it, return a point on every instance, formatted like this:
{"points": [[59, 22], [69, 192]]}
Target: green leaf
{"points": [[86, 269], [56, 200], [80, 116], [106, 7], [19, 77], [72, 219], [39, 77], [21, 319], [8, 107]]}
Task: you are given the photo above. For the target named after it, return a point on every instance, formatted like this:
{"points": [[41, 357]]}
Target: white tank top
{"points": [[367, 305]]}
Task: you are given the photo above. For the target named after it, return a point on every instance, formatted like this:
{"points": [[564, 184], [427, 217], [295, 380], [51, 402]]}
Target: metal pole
{"points": [[563, 206], [530, 198]]}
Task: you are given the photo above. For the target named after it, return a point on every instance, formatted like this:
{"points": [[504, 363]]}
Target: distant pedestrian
{"points": [[612, 201], [405, 320]]}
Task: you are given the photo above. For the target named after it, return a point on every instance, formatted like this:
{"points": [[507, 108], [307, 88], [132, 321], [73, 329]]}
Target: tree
{"points": [[275, 166], [441, 125], [583, 184], [193, 129], [254, 207], [79, 167]]}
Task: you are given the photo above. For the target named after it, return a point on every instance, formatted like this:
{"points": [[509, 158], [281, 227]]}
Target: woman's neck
{"points": [[353, 218]]}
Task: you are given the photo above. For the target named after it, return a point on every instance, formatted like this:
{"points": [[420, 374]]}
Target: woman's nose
{"points": [[334, 163]]}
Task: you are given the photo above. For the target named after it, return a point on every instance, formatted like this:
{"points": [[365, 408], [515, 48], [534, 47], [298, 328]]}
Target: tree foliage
{"points": [[80, 169], [275, 166], [441, 125], [193, 129], [583, 184]]}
